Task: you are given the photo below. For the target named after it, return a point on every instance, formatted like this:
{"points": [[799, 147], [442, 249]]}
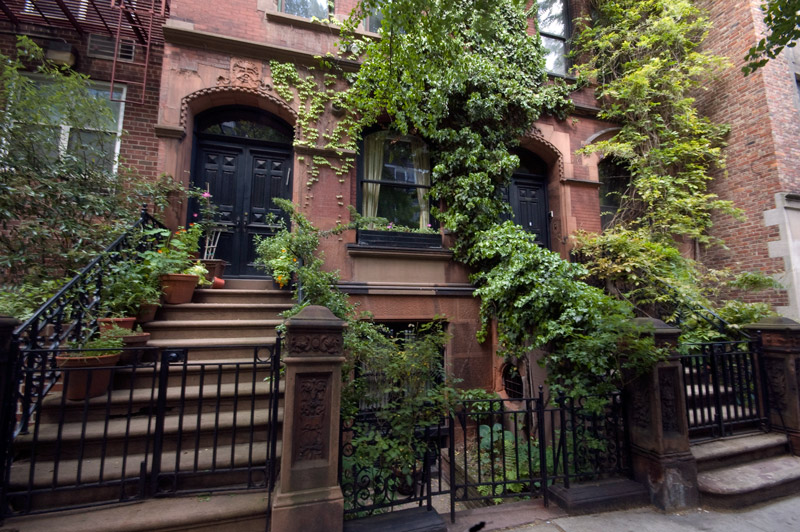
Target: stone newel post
{"points": [[659, 431], [780, 362], [308, 496]]}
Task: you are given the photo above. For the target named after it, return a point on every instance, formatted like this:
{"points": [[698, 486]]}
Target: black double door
{"points": [[243, 181]]}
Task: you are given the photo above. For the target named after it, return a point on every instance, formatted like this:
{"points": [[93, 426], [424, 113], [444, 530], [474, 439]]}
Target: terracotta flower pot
{"points": [[147, 312], [107, 323], [217, 283], [82, 379], [178, 287], [215, 267], [135, 342]]}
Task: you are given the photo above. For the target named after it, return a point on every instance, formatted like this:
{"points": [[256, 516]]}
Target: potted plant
{"points": [[82, 379], [173, 263], [131, 286], [211, 232]]}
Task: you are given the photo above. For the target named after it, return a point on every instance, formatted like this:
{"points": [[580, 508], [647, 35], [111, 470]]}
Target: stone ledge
{"points": [[601, 496], [412, 520]]}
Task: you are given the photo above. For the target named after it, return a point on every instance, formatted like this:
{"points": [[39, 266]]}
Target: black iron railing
{"points": [[168, 421], [723, 388], [70, 315], [487, 451]]}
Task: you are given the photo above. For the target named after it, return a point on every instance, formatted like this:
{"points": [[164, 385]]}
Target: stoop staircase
{"points": [[746, 469], [217, 410]]}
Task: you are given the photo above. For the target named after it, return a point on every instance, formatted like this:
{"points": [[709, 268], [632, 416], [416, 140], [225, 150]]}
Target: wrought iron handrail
{"points": [[71, 314], [706, 314]]}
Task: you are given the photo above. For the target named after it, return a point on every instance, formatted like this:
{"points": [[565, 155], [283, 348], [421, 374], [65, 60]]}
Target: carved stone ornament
{"points": [[310, 421], [776, 382], [669, 401], [327, 344], [640, 413], [245, 74]]}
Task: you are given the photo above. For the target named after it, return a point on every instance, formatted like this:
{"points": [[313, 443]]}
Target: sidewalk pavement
{"points": [[780, 516]]}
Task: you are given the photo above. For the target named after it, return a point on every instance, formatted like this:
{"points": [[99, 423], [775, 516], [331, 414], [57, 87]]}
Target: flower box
{"points": [[396, 239]]}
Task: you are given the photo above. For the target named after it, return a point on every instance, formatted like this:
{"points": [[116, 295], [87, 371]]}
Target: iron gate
{"points": [[723, 388], [485, 451], [173, 421]]}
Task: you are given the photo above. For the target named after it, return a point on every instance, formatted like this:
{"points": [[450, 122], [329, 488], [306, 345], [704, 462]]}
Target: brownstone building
{"points": [[194, 91]]}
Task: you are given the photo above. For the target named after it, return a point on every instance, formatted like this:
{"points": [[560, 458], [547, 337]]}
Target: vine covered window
{"points": [[554, 29], [395, 179], [306, 8], [614, 181]]}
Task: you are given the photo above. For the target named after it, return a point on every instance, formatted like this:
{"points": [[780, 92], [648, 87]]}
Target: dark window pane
{"points": [[374, 20], [399, 205], [614, 181]]}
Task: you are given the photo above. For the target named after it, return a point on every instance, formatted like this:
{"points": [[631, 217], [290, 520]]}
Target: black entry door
{"points": [[243, 181], [528, 199]]}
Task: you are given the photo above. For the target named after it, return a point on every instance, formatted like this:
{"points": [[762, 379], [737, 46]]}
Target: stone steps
{"points": [[217, 421], [744, 470]]}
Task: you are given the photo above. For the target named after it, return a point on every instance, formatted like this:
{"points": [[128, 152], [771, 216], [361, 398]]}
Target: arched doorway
{"points": [[243, 158], [527, 196]]}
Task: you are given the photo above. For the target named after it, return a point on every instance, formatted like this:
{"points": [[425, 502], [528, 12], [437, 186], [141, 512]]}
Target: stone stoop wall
{"points": [[763, 153], [139, 146]]}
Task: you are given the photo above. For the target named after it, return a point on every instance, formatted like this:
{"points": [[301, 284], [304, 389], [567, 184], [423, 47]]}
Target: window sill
{"points": [[397, 240], [280, 17]]}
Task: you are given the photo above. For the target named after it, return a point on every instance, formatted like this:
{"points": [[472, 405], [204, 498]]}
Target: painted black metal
{"points": [[70, 315], [395, 239], [723, 388], [83, 450], [488, 450]]}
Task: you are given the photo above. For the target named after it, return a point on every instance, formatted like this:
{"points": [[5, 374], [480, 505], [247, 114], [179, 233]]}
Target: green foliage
{"points": [[127, 285], [58, 207], [176, 251], [782, 18], [646, 61], [540, 301], [107, 342], [22, 300]]}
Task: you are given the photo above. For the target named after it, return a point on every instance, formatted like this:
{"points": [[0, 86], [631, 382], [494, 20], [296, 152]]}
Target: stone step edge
{"points": [[736, 445], [743, 479], [208, 324], [112, 465], [96, 430], [170, 514], [216, 343], [224, 391]]}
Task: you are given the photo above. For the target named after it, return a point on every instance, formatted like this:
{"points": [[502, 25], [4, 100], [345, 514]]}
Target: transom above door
{"points": [[243, 158]]}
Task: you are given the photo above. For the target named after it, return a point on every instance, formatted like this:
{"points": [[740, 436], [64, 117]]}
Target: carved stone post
{"points": [[780, 362], [308, 496], [659, 431]]}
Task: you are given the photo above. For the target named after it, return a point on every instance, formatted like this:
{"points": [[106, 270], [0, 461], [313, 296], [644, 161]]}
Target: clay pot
{"points": [[106, 324], [79, 384], [215, 267], [135, 344], [217, 283], [147, 312], [178, 287]]}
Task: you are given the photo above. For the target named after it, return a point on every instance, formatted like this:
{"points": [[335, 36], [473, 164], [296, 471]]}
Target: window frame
{"points": [[562, 38], [65, 129], [360, 180], [282, 10]]}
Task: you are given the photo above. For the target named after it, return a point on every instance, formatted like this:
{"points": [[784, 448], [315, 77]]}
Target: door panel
{"points": [[528, 198], [243, 180]]}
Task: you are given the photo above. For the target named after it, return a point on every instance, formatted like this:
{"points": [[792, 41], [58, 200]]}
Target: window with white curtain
{"points": [[396, 179], [554, 30]]}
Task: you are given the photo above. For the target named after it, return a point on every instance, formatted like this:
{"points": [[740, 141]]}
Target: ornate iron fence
{"points": [[162, 424], [70, 315], [484, 452]]}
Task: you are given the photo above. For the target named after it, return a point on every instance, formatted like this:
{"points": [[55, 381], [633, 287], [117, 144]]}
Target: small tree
{"points": [[62, 192]]}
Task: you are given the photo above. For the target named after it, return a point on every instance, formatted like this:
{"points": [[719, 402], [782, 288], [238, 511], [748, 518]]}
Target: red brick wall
{"points": [[763, 154], [139, 147]]}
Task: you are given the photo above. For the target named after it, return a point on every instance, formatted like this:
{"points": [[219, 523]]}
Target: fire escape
{"points": [[127, 29]]}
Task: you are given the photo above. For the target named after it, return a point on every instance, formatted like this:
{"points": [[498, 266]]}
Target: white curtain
{"points": [[422, 169], [373, 167]]}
